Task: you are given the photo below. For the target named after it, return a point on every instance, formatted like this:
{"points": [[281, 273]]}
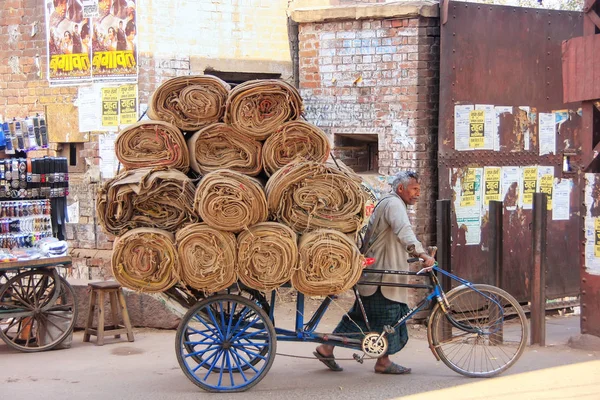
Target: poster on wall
{"points": [[462, 127], [489, 125], [592, 224], [68, 42], [467, 203], [511, 187], [491, 186], [106, 148], [500, 111], [546, 183], [561, 199], [547, 128], [114, 52], [529, 179]]}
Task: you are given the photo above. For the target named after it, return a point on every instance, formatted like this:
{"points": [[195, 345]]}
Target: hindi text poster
{"points": [[546, 183], [106, 149], [491, 185], [110, 107], [128, 104], [547, 127], [114, 52], [88, 103], [461, 127], [529, 178], [561, 199], [489, 125], [476, 126], [592, 223], [68, 42], [467, 203]]}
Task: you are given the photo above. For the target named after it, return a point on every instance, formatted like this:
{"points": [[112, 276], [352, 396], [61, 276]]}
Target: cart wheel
{"points": [[221, 342], [37, 310], [257, 298]]}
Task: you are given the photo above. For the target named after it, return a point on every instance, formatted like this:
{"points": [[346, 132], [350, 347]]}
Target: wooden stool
{"points": [[113, 289]]}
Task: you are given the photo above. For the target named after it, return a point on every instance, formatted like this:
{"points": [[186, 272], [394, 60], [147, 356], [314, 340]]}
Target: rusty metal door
{"points": [[509, 58]]}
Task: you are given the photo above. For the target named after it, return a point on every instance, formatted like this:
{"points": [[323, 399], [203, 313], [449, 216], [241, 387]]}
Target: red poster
{"points": [[114, 53], [68, 36]]}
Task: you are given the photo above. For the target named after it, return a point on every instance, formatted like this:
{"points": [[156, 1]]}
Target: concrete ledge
{"points": [[428, 9]]}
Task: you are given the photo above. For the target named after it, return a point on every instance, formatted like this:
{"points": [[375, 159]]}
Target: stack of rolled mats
{"points": [[226, 185]]}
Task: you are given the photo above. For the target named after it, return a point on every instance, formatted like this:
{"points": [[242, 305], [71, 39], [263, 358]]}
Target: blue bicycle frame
{"points": [[307, 331]]}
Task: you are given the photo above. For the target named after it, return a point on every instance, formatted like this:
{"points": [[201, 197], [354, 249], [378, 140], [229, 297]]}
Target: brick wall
{"points": [[378, 76]]}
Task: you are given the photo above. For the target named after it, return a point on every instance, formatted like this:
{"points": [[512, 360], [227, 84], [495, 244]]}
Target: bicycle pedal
{"points": [[358, 358], [388, 329]]}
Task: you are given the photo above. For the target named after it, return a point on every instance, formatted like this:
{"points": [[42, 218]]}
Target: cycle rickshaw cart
{"points": [[38, 308], [227, 342]]}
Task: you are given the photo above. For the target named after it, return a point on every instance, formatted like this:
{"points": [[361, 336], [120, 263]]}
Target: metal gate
{"points": [[504, 133]]}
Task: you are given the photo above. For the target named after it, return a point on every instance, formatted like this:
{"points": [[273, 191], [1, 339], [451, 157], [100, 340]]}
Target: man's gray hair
{"points": [[403, 178]]}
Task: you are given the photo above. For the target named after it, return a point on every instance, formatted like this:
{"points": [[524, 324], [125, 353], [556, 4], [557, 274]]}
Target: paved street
{"points": [[147, 369]]}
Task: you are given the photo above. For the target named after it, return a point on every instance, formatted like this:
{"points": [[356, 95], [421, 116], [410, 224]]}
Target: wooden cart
{"points": [[38, 308]]}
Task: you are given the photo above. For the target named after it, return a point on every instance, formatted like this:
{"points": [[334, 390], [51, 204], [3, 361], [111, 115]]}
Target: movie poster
{"points": [[114, 52], [68, 36]]}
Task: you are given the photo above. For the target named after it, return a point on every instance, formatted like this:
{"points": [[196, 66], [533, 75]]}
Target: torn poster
{"points": [[529, 179], [547, 129], [467, 203], [525, 129], [561, 199], [546, 183], [592, 224], [499, 111], [461, 127], [511, 177]]}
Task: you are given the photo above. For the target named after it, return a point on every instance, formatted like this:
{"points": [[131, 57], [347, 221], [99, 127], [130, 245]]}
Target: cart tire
{"points": [[254, 296], [220, 344], [37, 311]]}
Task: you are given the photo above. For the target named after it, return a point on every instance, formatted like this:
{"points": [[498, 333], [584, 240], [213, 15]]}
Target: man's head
{"points": [[406, 185]]}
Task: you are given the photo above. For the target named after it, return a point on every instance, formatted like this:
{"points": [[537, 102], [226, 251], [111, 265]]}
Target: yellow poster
{"points": [[476, 129], [529, 185], [546, 183], [468, 188], [597, 237], [128, 104], [491, 177], [110, 107]]}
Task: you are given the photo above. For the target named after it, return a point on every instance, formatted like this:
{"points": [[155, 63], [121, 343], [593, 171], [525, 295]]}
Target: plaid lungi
{"points": [[380, 312]]}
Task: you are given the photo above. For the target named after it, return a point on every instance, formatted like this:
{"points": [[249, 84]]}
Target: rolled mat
{"points": [[145, 260], [152, 144], [147, 197], [308, 195], [257, 108], [329, 263], [294, 141], [267, 255], [189, 102], [218, 146], [230, 201], [207, 257]]}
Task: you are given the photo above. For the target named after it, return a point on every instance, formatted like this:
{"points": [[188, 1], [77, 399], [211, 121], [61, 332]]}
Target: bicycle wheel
{"points": [[254, 296], [36, 313], [488, 335], [225, 333]]}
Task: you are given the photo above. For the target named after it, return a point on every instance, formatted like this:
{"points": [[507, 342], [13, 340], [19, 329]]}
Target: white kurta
{"points": [[391, 234]]}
